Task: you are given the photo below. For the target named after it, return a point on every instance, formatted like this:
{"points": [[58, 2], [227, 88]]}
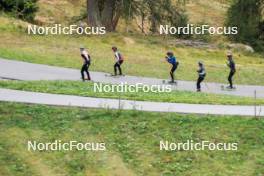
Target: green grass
{"points": [[143, 54], [87, 89], [132, 139]]}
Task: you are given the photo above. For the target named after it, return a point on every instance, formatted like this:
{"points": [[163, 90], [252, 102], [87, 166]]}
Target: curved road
{"points": [[69, 100], [10, 69]]}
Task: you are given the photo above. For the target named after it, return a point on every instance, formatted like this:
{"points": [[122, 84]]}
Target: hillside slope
{"points": [[61, 11], [58, 11], [206, 11], [144, 55]]}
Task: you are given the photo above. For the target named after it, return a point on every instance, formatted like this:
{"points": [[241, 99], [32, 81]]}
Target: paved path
{"points": [[69, 100], [10, 69]]}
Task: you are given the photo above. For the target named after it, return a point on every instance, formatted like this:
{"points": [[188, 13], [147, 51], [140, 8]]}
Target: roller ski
{"points": [[113, 75], [228, 88], [169, 82]]}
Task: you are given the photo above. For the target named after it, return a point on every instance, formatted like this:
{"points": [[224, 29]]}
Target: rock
{"points": [[241, 47], [193, 43]]}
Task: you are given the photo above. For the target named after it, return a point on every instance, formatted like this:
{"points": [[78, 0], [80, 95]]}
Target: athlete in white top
{"points": [[85, 55], [86, 63], [117, 56]]}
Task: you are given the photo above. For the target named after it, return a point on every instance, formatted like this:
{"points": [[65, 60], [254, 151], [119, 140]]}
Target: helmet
{"points": [[169, 53]]}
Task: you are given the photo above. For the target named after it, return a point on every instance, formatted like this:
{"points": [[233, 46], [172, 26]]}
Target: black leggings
{"points": [[84, 69], [173, 68], [230, 78], [118, 65], [199, 81]]}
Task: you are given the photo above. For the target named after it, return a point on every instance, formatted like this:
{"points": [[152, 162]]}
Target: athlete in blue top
{"points": [[173, 61]]}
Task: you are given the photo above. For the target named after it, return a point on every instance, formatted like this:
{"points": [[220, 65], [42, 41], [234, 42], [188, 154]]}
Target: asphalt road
{"points": [[10, 69], [76, 101]]}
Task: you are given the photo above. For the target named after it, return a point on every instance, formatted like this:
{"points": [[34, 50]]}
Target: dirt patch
{"points": [[128, 40]]}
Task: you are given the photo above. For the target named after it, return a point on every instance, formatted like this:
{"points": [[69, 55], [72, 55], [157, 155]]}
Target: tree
{"points": [[104, 13], [161, 12], [108, 12], [142, 12], [23, 9], [248, 17], [128, 9]]}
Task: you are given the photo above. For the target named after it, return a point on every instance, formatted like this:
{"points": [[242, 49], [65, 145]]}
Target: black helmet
{"points": [[169, 53], [200, 63]]}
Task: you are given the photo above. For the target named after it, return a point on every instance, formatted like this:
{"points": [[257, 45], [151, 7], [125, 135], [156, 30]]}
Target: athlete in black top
{"points": [[201, 75], [86, 63], [231, 64]]}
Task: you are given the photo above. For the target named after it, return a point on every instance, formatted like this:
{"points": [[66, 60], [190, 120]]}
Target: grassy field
{"points": [[87, 89], [143, 54], [125, 133]]}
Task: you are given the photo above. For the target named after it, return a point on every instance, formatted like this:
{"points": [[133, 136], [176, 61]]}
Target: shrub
{"points": [[22, 9], [247, 16]]}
